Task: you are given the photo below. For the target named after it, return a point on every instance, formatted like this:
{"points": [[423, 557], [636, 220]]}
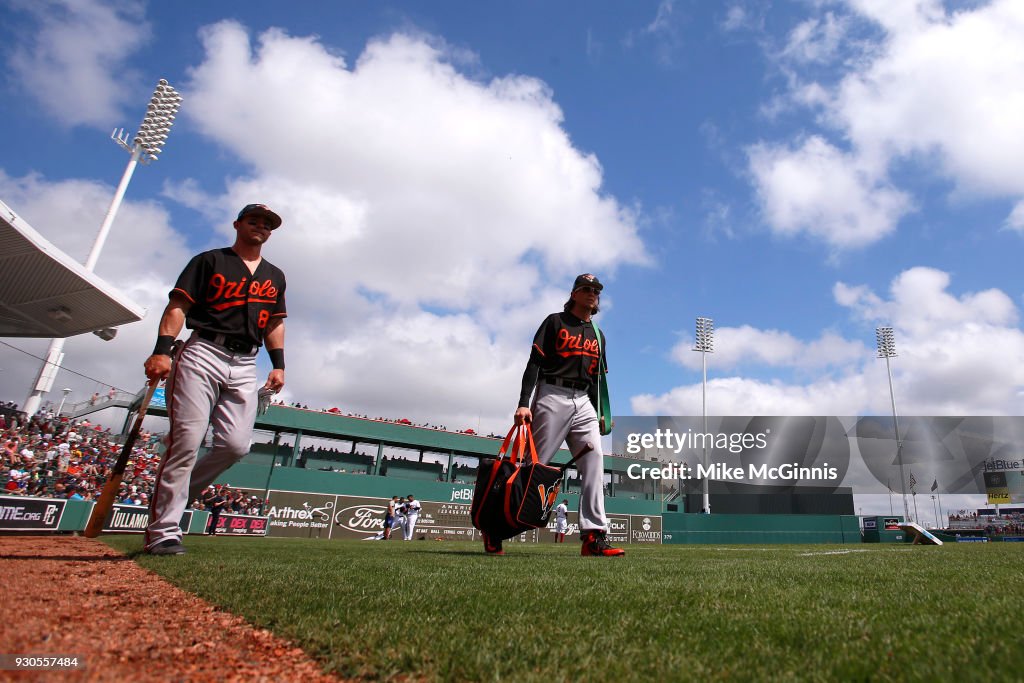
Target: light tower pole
{"points": [[705, 343], [146, 146], [887, 349], [62, 399]]}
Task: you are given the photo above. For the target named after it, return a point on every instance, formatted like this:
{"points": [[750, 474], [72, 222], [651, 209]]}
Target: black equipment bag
{"points": [[515, 493]]}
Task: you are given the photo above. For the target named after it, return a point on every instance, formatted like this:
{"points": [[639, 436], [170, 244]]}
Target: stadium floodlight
{"points": [[887, 349], [63, 398], [704, 341], [160, 114], [145, 147]]}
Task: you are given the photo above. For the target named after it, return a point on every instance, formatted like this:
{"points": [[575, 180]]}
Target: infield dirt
{"points": [[68, 595]]}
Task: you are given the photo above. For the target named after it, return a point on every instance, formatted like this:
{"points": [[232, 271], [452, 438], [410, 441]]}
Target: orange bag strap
{"points": [[528, 430], [525, 439], [506, 442], [519, 438]]}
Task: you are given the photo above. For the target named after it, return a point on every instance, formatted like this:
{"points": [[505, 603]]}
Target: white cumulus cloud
{"points": [[774, 348], [431, 219], [817, 189], [922, 85], [76, 64]]}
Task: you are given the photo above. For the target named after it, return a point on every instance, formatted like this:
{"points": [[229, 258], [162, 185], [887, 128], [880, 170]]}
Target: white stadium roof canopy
{"points": [[46, 293]]}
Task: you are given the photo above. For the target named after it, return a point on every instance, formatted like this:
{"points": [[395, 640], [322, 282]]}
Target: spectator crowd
{"points": [[229, 500], [1007, 524], [51, 456]]}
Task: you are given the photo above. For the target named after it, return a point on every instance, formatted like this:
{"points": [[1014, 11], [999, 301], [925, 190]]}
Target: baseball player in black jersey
{"points": [[233, 301], [564, 365]]}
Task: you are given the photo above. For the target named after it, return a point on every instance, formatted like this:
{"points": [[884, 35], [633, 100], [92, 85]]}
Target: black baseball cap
{"points": [[263, 210], [587, 280]]}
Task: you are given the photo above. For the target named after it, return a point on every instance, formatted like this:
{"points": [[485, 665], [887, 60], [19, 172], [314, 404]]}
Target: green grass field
{"points": [[444, 611]]}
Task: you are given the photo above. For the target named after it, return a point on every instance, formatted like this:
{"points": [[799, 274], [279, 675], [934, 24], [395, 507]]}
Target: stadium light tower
{"points": [[887, 349], [146, 147], [62, 399], [705, 343]]}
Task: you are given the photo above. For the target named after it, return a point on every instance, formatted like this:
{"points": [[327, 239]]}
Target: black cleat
{"points": [[595, 544], [168, 547], [492, 547]]}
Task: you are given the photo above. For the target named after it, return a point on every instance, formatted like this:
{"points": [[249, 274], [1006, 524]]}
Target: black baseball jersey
{"points": [[214, 501], [227, 299], [564, 347]]}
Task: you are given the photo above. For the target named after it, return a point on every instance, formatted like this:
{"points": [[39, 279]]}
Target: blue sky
{"points": [[801, 172]]}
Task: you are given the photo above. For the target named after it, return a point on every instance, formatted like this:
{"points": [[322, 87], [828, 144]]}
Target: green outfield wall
{"points": [[721, 528]]}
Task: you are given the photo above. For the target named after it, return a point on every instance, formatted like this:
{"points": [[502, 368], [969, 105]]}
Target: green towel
{"points": [[605, 420]]}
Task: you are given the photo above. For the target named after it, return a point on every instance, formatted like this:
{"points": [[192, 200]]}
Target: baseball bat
{"points": [[106, 499]]}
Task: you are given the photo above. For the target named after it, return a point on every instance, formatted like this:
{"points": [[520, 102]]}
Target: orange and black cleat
{"points": [[595, 544], [492, 547]]}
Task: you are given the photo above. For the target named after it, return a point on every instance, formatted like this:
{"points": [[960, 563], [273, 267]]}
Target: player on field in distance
{"points": [[561, 521]]}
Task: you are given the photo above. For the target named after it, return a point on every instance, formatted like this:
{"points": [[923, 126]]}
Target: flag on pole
{"points": [[935, 484], [913, 482]]}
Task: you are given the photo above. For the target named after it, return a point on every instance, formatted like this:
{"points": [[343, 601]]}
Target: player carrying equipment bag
{"points": [[515, 493]]}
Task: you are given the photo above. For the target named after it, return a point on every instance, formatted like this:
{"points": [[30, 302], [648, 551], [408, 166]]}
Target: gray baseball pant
{"points": [[410, 526], [564, 414], [208, 386]]}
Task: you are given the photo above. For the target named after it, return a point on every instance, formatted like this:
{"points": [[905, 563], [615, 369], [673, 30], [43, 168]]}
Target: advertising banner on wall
{"points": [[133, 519], [358, 517], [298, 514], [621, 529], [242, 525], [645, 529], [127, 519], [159, 399], [1005, 486], [363, 518], [618, 529], [20, 513]]}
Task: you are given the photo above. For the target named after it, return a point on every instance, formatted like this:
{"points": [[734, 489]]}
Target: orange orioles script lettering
{"points": [[575, 345], [224, 293]]}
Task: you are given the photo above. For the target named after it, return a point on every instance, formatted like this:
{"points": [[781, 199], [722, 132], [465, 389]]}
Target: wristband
{"points": [[276, 358], [164, 345]]}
